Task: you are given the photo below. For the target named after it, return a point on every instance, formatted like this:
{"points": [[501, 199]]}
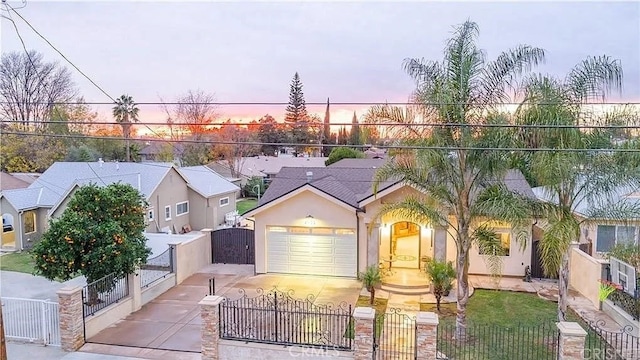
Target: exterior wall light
{"points": [[309, 220]]}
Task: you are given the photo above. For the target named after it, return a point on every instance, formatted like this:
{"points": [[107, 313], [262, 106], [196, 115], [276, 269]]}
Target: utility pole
{"points": [[3, 345]]}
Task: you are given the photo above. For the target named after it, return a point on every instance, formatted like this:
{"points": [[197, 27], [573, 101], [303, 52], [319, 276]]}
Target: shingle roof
{"points": [[8, 182], [59, 178], [359, 163], [346, 184], [354, 184], [267, 165], [206, 181]]}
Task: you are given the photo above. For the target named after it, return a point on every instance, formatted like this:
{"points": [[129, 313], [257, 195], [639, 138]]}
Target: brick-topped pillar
{"points": [[210, 313], [71, 318], [426, 335], [572, 337], [363, 318]]}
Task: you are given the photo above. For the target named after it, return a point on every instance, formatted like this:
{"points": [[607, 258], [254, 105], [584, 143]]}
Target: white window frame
{"points": [[224, 198], [151, 215], [35, 221], [168, 207], [178, 213]]}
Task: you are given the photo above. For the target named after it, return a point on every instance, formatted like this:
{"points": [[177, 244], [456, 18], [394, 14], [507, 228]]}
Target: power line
{"points": [[61, 54], [368, 103], [314, 145], [321, 124]]}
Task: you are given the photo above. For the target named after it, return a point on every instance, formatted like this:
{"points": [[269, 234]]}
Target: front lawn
{"points": [[501, 325], [19, 261], [245, 205]]}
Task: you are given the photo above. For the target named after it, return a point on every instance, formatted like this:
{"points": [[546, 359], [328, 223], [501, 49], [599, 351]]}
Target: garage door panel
{"points": [[320, 254]]}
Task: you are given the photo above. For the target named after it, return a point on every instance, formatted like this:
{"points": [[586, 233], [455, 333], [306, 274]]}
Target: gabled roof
{"points": [[345, 184], [207, 182], [262, 166], [28, 198], [359, 163], [8, 182]]}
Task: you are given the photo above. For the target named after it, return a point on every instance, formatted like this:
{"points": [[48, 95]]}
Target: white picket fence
{"points": [[31, 320]]}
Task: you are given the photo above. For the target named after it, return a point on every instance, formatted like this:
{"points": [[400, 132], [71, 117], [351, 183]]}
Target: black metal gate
{"points": [[394, 336], [233, 246], [536, 263]]}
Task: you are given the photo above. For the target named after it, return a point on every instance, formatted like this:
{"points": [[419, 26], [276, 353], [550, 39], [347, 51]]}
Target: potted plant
{"points": [[441, 274], [370, 279]]}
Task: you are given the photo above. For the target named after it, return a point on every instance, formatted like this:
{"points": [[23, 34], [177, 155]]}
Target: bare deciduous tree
{"points": [[196, 109], [30, 88], [234, 149]]}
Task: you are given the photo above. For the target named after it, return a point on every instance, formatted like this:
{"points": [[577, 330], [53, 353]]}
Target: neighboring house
{"points": [[154, 151], [265, 167], [177, 196], [359, 163], [598, 236], [29, 178], [9, 182], [324, 221]]}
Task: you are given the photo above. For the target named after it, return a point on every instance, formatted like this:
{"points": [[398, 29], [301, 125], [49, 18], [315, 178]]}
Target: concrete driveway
{"points": [[21, 285], [172, 321]]}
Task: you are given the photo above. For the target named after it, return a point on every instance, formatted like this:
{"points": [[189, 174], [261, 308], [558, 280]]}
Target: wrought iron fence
{"points": [[276, 317], [603, 343], [492, 342], [31, 320], [104, 292], [394, 336], [156, 268]]}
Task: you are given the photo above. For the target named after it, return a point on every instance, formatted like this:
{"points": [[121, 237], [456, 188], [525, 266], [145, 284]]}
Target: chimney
{"points": [[309, 176], [100, 162]]}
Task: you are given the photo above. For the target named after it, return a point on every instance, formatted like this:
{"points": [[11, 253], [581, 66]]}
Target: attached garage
{"points": [[312, 251]]}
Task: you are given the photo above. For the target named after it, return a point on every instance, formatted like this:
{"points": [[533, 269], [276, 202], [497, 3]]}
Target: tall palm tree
{"points": [[461, 184], [570, 178], [125, 112]]}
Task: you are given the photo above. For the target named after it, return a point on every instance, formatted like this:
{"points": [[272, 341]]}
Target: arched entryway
{"points": [[405, 244], [8, 231]]}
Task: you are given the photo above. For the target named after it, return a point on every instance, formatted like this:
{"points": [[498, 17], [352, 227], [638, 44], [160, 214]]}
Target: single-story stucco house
{"points": [[324, 221], [194, 196]]}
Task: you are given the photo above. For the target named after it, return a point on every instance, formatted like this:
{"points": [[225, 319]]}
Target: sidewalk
{"points": [[26, 351]]}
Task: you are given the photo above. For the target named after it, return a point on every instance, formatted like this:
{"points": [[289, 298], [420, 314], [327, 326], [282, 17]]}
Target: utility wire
{"points": [[321, 124], [315, 145], [369, 103], [61, 54]]}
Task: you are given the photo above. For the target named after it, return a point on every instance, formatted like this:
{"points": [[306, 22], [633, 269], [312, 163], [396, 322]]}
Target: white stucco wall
{"points": [[294, 210]]}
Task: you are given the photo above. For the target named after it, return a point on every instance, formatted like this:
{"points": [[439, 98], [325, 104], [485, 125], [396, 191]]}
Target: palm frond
{"points": [[490, 246], [416, 209], [562, 230], [594, 78], [499, 203]]}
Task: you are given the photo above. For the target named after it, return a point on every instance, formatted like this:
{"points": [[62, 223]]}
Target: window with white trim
{"points": [[504, 249], [182, 208], [224, 201], [167, 212], [609, 235], [150, 214]]}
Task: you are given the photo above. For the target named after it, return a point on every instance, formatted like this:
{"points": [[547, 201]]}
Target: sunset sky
{"points": [[347, 51]]}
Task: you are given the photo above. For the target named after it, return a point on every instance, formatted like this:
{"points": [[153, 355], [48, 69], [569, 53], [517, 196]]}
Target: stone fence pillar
{"points": [[363, 318], [71, 318], [426, 335], [210, 313], [572, 338]]}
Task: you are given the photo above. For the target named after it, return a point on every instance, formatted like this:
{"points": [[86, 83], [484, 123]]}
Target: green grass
{"points": [[379, 305], [502, 325], [245, 205], [19, 261]]}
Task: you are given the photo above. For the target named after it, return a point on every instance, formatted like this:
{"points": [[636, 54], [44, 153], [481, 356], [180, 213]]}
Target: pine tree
{"points": [[326, 132], [355, 137], [297, 109]]}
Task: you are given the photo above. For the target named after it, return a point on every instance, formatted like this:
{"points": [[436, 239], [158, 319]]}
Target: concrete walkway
{"points": [[25, 351]]}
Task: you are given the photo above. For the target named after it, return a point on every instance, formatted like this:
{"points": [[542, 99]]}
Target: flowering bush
{"points": [[607, 288]]}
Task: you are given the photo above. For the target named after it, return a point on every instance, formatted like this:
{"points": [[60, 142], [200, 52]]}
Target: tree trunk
{"points": [[372, 290], [126, 129], [438, 295], [462, 293], [563, 286]]}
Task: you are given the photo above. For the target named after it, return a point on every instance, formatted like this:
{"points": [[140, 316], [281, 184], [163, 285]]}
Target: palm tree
{"points": [[441, 274], [125, 112], [370, 279], [570, 178], [461, 184]]}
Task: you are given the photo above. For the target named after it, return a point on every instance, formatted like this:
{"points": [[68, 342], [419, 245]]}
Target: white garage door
{"points": [[312, 251]]}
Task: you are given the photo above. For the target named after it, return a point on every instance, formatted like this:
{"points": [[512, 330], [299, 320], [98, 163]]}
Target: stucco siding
{"points": [[512, 265], [171, 191], [220, 211], [293, 213]]}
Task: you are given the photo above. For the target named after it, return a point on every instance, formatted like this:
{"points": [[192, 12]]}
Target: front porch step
{"points": [[405, 289]]}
